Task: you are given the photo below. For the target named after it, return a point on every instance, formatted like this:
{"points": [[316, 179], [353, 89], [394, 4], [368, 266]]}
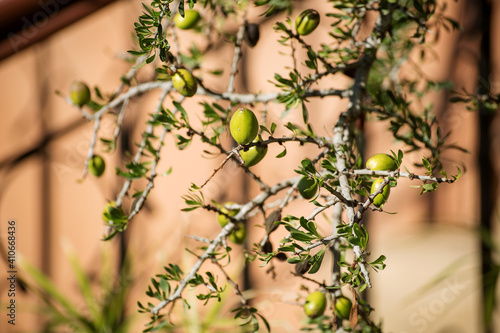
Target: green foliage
{"points": [[377, 93], [103, 310], [275, 6], [149, 31]]}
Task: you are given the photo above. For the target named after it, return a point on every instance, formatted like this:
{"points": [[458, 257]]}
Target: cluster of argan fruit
{"points": [[79, 93], [244, 128], [380, 162]]}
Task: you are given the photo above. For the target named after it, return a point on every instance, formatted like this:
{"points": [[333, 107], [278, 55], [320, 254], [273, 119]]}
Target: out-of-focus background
{"points": [[433, 279]]}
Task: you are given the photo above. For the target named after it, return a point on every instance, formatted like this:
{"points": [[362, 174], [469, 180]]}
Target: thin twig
{"points": [[150, 185], [119, 121], [323, 241], [231, 154], [398, 173], [364, 207], [236, 58], [128, 182], [142, 145], [93, 141], [313, 215], [237, 290], [199, 239], [232, 97], [208, 253], [343, 136], [132, 92]]}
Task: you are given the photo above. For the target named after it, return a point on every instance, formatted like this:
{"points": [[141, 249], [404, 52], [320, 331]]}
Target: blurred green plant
{"points": [[104, 307]]}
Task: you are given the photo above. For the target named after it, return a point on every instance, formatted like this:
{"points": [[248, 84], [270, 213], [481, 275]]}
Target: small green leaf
{"points": [[183, 112], [305, 113], [427, 164], [316, 261], [282, 154], [273, 128], [165, 286], [264, 129], [301, 236]]}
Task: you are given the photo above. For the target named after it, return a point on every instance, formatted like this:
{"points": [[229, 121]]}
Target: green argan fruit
{"points": [[222, 219], [111, 211], [184, 82], [252, 34], [306, 22], [343, 307], [381, 162], [79, 93], [97, 165], [307, 188], [191, 17], [315, 304], [253, 155], [243, 126], [380, 198], [238, 234]]}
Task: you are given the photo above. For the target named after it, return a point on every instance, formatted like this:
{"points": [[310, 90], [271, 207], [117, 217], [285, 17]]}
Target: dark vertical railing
{"points": [[486, 169], [45, 184]]}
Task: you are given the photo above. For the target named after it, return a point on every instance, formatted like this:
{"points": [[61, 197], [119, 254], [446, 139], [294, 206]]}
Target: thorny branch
{"points": [[343, 132], [340, 146], [137, 157], [207, 254]]}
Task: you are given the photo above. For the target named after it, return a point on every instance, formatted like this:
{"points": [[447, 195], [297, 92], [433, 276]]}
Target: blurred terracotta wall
{"points": [[54, 211]]}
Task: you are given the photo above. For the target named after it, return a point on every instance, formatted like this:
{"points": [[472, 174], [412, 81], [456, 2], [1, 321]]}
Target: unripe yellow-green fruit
{"points": [[253, 155], [306, 22], [79, 93], [381, 162], [184, 82], [97, 165], [238, 234], [222, 219], [191, 17], [243, 126], [315, 304], [343, 307], [380, 198], [307, 188], [109, 210]]}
